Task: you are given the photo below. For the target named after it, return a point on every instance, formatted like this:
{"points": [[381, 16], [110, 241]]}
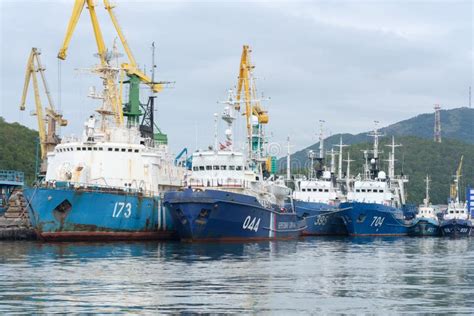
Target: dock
{"points": [[14, 220]]}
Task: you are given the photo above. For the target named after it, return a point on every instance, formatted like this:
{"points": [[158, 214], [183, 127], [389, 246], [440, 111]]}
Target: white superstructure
{"points": [[374, 186], [118, 157], [426, 210], [322, 188], [112, 153], [229, 170]]}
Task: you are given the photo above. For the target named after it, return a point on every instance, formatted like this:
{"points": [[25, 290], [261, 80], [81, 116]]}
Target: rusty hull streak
{"points": [[107, 236]]}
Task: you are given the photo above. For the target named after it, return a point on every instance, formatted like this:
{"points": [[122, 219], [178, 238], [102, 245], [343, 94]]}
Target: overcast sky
{"points": [[346, 62]]}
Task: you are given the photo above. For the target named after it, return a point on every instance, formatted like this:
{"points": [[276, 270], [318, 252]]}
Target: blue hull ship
{"points": [[321, 219], [424, 227], [373, 219], [456, 228], [74, 214], [214, 215]]}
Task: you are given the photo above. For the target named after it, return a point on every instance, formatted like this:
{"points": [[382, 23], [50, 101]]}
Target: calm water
{"points": [[307, 276]]}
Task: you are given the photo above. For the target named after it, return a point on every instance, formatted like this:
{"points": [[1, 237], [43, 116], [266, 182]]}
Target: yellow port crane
{"points": [[49, 118], [455, 185], [246, 90], [131, 68]]}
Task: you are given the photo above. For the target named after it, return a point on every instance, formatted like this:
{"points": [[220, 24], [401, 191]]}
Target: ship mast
{"points": [[229, 118], [341, 145], [427, 193], [288, 157], [374, 162], [391, 158], [321, 139]]}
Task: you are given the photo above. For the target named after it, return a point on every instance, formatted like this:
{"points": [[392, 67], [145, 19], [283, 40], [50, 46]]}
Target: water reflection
{"points": [[328, 275]]}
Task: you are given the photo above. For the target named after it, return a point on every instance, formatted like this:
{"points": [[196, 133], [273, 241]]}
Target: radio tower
{"points": [[437, 125]]}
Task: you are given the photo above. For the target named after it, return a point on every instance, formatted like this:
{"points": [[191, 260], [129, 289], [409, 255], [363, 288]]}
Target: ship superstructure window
{"points": [[136, 150], [101, 149], [78, 148], [326, 190], [304, 190], [195, 168], [123, 149], [357, 190], [216, 168], [201, 168], [208, 167], [94, 148], [231, 167], [84, 148], [130, 150], [238, 168], [223, 167], [109, 149], [116, 149], [363, 190]]}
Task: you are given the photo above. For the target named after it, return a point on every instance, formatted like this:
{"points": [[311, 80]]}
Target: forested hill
{"points": [[456, 124], [18, 148]]}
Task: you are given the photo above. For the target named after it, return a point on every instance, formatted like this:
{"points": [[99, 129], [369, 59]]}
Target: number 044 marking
{"points": [[122, 208], [251, 224]]}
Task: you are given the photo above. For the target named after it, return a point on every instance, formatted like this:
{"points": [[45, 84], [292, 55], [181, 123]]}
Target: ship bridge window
{"points": [[123, 149], [130, 150], [304, 190], [195, 168], [238, 168], [380, 191], [95, 148], [78, 148], [208, 167], [223, 167], [201, 168], [363, 190], [84, 148], [216, 168], [89, 148], [101, 149], [109, 149], [315, 190], [116, 149], [136, 150], [369, 190], [326, 190], [231, 167]]}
